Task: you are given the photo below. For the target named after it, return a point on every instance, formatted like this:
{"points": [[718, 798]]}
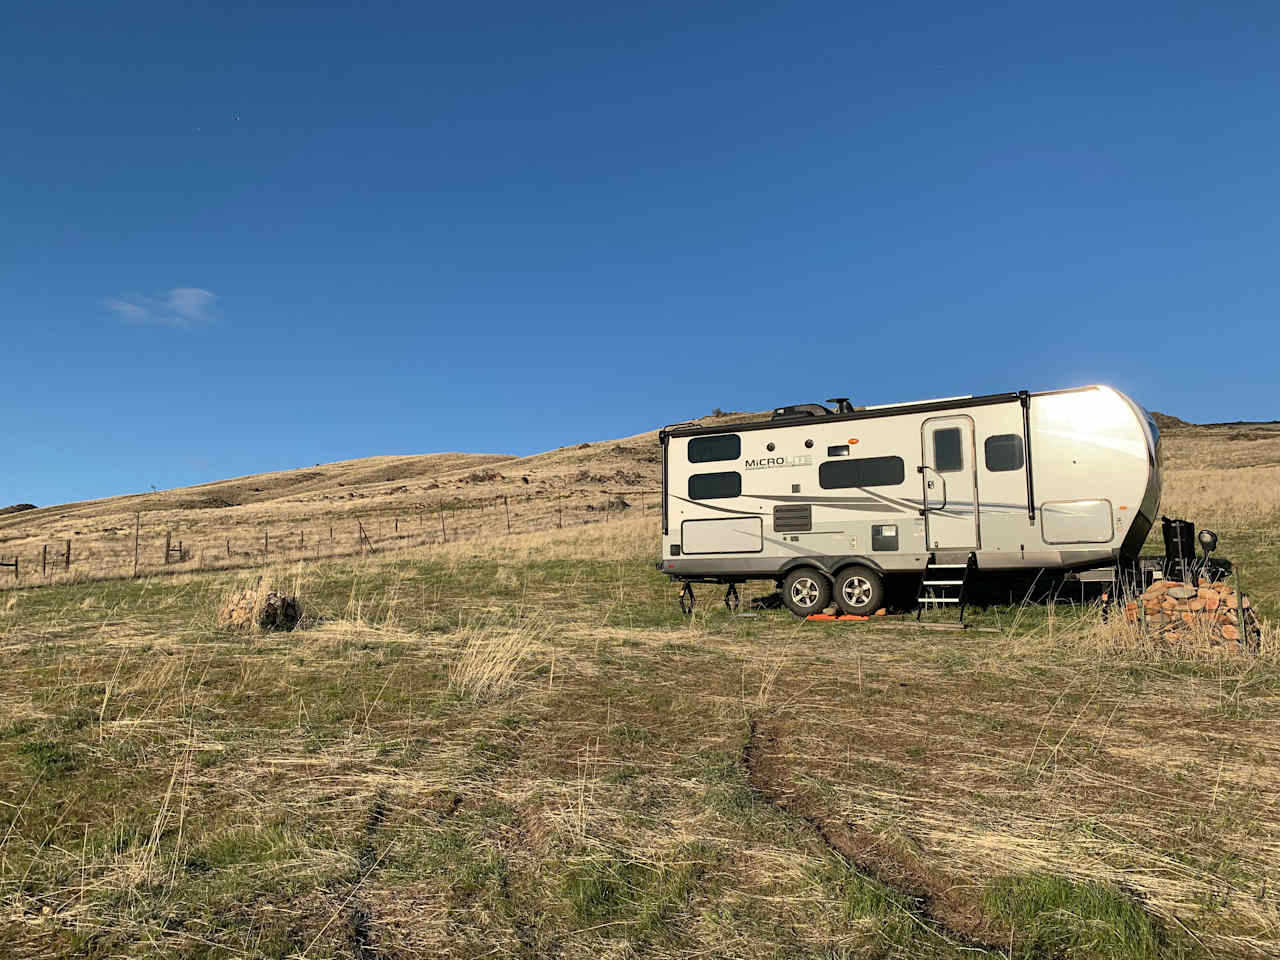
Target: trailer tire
{"points": [[859, 591], [805, 591]]}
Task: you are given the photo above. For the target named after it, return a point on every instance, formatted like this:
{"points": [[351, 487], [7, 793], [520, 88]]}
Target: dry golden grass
{"points": [[315, 513], [494, 656]]}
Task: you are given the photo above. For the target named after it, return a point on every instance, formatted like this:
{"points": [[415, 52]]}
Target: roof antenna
{"points": [[842, 404]]}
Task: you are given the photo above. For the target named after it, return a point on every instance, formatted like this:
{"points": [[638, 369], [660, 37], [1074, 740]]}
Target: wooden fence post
{"points": [[137, 528], [68, 564], [228, 546], [507, 507], [167, 541], [443, 535], [44, 560], [266, 543]]}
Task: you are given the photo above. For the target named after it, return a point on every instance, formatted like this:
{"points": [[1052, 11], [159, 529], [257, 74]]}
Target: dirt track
{"points": [[939, 901]]}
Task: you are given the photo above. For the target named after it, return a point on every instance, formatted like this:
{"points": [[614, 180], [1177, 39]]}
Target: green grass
{"points": [[1082, 921], [634, 900], [50, 758]]}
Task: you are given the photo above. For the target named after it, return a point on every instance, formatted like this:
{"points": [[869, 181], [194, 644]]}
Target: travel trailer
{"points": [[835, 503]]}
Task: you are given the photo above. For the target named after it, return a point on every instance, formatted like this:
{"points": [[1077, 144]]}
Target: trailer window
{"points": [[715, 486], [1004, 452], [726, 446], [866, 472], [948, 450]]}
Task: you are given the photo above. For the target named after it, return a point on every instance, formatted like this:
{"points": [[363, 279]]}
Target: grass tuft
{"points": [[1084, 921]]}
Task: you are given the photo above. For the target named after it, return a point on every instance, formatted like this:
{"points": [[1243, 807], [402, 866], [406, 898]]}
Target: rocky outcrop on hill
{"points": [[1166, 422], [18, 508]]}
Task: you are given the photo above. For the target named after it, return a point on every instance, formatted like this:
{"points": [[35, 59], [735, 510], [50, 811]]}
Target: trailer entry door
{"points": [[949, 480]]}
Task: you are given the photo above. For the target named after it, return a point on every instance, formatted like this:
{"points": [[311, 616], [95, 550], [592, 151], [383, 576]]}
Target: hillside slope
{"points": [[1224, 475]]}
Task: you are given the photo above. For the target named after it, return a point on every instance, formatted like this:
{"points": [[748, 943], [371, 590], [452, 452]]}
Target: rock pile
{"points": [[1210, 616], [252, 609]]}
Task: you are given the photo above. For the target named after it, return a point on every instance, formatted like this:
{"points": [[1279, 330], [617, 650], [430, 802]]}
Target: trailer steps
{"points": [[938, 588]]}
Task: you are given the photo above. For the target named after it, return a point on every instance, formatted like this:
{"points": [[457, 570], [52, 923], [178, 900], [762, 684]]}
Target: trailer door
{"points": [[949, 477]]}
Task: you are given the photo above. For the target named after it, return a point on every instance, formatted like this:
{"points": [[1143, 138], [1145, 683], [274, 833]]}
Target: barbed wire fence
{"points": [[158, 551]]}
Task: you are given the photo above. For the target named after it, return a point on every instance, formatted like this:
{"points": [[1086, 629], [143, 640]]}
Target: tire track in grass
{"points": [[933, 899], [359, 936]]}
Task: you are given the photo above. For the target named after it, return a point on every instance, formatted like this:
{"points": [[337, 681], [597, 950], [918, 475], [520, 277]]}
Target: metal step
{"points": [[947, 566], [938, 599], [941, 583]]}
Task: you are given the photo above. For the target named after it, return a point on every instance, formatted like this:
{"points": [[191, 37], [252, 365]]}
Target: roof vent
{"points": [[800, 410]]}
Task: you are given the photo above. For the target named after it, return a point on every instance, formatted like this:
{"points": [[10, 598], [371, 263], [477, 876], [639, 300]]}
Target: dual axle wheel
{"points": [[805, 591], [858, 591]]}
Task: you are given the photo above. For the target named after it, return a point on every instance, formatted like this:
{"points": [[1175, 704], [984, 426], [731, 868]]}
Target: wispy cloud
{"points": [[182, 307]]}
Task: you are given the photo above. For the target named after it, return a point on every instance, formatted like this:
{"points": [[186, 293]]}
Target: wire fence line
{"points": [[152, 549]]}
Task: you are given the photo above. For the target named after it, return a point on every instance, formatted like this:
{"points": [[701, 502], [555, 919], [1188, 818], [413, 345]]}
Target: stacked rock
{"points": [[1208, 615]]}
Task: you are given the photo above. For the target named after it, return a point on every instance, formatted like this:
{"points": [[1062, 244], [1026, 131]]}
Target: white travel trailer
{"points": [[832, 503]]}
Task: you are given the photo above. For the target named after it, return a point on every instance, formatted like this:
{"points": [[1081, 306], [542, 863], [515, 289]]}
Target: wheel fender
{"points": [[813, 563], [845, 562]]}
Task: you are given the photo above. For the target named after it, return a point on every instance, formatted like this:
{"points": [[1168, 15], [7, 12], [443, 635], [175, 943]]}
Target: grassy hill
{"points": [[516, 745]]}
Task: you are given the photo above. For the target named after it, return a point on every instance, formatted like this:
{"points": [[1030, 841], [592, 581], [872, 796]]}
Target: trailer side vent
{"points": [[884, 536], [793, 518]]}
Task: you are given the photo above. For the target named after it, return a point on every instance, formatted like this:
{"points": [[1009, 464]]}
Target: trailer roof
{"points": [[867, 413]]}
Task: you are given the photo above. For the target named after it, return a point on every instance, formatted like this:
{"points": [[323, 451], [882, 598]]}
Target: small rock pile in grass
{"points": [[254, 609], [1208, 616]]}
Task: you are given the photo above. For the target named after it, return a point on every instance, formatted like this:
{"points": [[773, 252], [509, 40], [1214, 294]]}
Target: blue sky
{"points": [[237, 238]]}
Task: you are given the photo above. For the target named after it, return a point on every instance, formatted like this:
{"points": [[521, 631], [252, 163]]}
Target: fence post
{"points": [[507, 507], [44, 560], [302, 540], [137, 528], [397, 526], [167, 541], [68, 565], [228, 546], [266, 543], [443, 535]]}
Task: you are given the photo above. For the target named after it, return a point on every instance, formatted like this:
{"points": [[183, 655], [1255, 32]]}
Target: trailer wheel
{"points": [[859, 591], [806, 591]]}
